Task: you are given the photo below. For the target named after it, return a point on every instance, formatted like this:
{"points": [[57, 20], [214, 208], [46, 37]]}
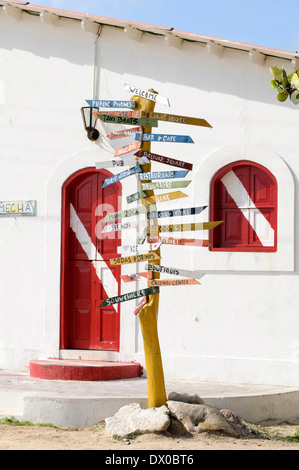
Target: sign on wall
{"points": [[17, 208]]}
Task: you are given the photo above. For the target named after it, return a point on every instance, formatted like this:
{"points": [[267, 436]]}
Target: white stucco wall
{"points": [[241, 324]]}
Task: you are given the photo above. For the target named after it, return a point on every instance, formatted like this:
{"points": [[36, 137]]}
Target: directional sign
{"points": [[164, 137], [124, 226], [135, 277], [148, 95], [129, 161], [124, 133], [184, 227], [133, 295], [165, 160], [120, 176], [175, 212], [125, 213], [165, 197], [165, 185], [111, 104], [136, 196], [172, 282], [138, 249], [127, 121], [134, 259], [174, 118], [131, 114], [180, 241], [127, 149], [160, 175], [140, 306], [174, 271]]}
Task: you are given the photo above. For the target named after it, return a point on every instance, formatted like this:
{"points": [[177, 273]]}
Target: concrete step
{"points": [[71, 369]]}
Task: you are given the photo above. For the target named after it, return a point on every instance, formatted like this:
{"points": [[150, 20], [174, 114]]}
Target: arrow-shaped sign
{"points": [[120, 176], [148, 95], [126, 121], [111, 104], [179, 241], [131, 296], [163, 137], [136, 196], [165, 160], [127, 149], [130, 114], [165, 185], [175, 212], [126, 213], [138, 249], [174, 118], [124, 226], [159, 175], [135, 277], [124, 133], [172, 282], [165, 197], [129, 161], [174, 271], [155, 229], [134, 259]]}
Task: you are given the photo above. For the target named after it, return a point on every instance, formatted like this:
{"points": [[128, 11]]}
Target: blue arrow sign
{"points": [[175, 212], [122, 175], [164, 138], [158, 175], [111, 104]]}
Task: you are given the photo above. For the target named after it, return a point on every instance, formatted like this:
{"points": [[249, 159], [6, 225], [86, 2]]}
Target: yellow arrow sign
{"points": [[165, 197], [134, 259], [155, 229], [174, 118]]}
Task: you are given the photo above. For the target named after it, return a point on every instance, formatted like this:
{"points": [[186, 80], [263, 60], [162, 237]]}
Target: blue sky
{"points": [[270, 23]]}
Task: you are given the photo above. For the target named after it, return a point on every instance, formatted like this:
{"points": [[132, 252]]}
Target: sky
{"points": [[268, 23]]}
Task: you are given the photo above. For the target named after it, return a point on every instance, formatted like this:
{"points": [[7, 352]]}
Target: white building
{"points": [[241, 324]]}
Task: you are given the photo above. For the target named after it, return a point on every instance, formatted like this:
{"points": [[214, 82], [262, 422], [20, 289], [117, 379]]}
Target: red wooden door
{"points": [[87, 277]]}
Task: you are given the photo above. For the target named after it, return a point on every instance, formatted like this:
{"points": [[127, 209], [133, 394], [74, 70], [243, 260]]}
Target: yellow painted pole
{"points": [[148, 316]]}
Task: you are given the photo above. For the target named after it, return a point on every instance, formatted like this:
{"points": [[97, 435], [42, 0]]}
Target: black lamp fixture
{"points": [[90, 121]]}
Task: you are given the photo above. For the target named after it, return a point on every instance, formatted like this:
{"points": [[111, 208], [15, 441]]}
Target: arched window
{"points": [[244, 196]]}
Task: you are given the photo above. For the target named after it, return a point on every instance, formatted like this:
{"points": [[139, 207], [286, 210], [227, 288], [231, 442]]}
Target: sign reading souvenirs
{"points": [[133, 295], [119, 163], [180, 241], [165, 185], [175, 271], [111, 104], [172, 282], [158, 175], [127, 121], [134, 259], [164, 138], [184, 227], [17, 208], [120, 176], [165, 160], [175, 212], [138, 249], [125, 133], [148, 95]]}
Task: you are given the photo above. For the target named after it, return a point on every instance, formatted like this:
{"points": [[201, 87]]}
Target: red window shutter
{"points": [[244, 196]]}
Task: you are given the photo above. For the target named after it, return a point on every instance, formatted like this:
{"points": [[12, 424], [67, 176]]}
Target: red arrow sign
{"points": [[165, 160]]}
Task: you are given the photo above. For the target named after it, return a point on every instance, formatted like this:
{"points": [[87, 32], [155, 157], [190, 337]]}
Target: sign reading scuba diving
{"points": [[17, 208]]}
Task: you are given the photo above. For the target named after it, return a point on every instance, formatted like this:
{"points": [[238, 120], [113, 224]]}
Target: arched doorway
{"points": [[86, 275]]}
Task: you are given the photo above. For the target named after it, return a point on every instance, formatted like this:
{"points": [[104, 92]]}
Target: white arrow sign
{"points": [[136, 249], [175, 271], [128, 161], [147, 95], [124, 226]]}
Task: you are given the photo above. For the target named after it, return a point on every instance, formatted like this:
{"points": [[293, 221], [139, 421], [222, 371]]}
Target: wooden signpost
{"points": [[134, 259], [165, 160], [186, 139]]}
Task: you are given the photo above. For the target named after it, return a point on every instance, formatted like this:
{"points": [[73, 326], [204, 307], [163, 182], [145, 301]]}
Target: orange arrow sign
{"points": [[172, 282]]}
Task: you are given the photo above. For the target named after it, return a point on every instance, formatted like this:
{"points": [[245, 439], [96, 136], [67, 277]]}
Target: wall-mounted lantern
{"points": [[90, 121]]}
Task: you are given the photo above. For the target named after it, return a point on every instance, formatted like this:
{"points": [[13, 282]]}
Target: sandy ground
{"points": [[14, 437]]}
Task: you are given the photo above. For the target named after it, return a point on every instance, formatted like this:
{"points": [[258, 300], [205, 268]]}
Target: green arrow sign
{"points": [[133, 295], [165, 185], [127, 120]]}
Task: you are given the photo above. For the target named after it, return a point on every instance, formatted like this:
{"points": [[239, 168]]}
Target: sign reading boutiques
{"points": [[17, 208]]}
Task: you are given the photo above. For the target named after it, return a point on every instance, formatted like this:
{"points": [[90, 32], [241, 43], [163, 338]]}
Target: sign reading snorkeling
{"points": [[17, 208]]}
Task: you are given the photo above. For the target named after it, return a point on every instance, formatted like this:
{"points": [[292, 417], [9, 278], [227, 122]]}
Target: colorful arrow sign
{"points": [[137, 249], [164, 137], [131, 296], [165, 185], [127, 149], [165, 160], [174, 118], [175, 212], [159, 175], [135, 277], [172, 282], [165, 197], [155, 229], [175, 271], [130, 114], [127, 121], [111, 104], [124, 133], [120, 176], [129, 161], [180, 241], [134, 259], [146, 94], [125, 213]]}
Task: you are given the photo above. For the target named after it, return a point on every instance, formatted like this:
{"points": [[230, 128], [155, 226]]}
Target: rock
{"points": [[185, 398], [244, 429], [132, 419], [200, 418]]}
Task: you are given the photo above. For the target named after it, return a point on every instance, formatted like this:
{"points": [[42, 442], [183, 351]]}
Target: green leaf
{"points": [[282, 96], [274, 84], [277, 73], [285, 83]]}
